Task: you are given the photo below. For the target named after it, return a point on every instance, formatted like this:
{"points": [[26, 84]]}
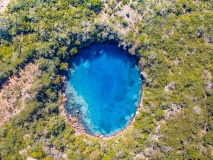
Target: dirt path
{"points": [[15, 91]]}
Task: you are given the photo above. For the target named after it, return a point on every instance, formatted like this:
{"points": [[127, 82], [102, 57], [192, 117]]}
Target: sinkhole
{"points": [[103, 87]]}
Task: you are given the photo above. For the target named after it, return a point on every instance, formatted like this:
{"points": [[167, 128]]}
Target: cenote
{"points": [[103, 88]]}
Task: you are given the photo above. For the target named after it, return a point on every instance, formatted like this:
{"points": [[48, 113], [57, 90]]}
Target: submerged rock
{"points": [[105, 89]]}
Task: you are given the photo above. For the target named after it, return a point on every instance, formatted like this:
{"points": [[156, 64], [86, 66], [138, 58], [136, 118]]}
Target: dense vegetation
{"points": [[172, 39]]}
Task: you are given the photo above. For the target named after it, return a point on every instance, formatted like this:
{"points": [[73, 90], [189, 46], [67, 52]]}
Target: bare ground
{"points": [[125, 12], [14, 92], [3, 5]]}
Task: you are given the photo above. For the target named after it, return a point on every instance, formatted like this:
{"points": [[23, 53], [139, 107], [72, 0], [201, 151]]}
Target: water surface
{"points": [[103, 88]]}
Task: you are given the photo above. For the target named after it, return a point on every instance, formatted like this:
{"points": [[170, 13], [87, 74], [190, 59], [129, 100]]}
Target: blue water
{"points": [[103, 88]]}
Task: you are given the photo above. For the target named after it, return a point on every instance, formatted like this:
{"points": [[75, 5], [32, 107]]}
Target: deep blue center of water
{"points": [[103, 88]]}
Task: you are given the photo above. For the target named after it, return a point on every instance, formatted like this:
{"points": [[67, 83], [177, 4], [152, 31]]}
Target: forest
{"points": [[173, 41]]}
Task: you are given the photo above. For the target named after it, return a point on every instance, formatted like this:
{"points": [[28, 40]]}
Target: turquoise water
{"points": [[103, 89]]}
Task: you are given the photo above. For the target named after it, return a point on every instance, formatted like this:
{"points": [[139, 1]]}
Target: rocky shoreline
{"points": [[78, 126]]}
